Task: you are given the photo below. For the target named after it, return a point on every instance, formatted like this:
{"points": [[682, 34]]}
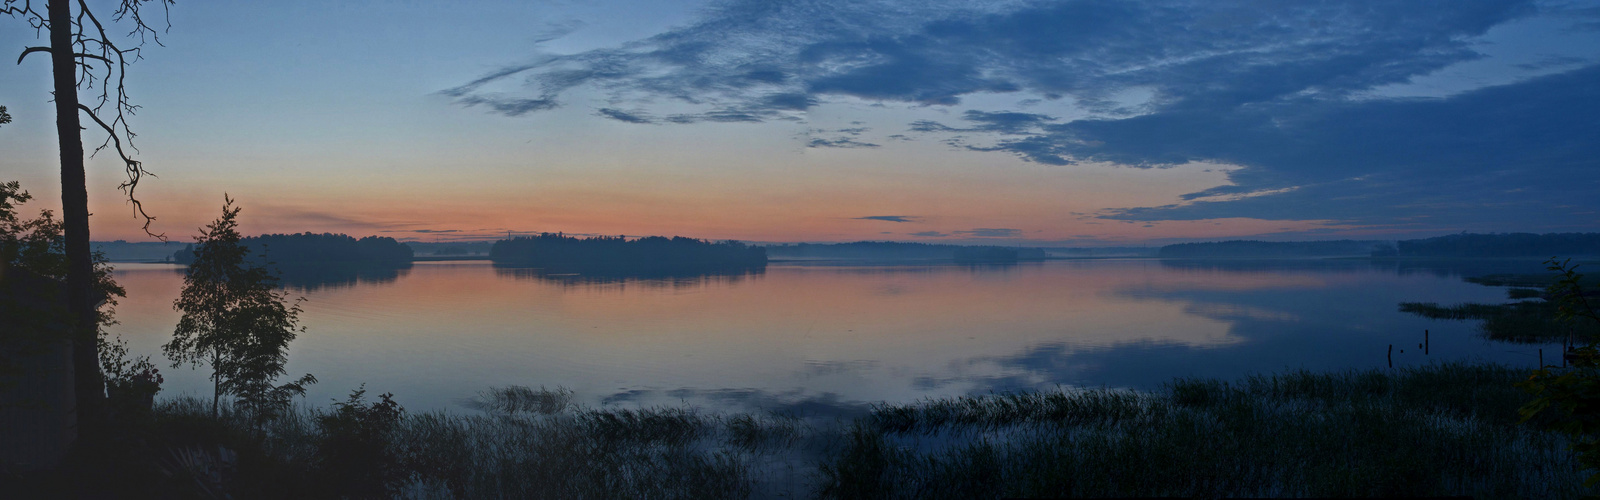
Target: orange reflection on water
{"points": [[864, 332]]}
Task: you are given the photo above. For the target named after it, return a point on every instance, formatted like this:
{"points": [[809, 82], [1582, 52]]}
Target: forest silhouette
{"points": [[556, 252]]}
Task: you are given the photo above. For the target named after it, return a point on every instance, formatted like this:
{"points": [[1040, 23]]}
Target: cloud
{"points": [[929, 234], [509, 106], [1493, 159], [1002, 122], [992, 232], [724, 116], [891, 218], [299, 219], [624, 116], [1552, 61], [763, 59], [1282, 91], [844, 138], [840, 142]]}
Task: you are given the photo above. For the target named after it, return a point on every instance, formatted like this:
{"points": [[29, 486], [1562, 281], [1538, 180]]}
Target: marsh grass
{"points": [[649, 453], [1532, 318], [1439, 430], [1435, 431], [528, 443], [1540, 280], [518, 399]]}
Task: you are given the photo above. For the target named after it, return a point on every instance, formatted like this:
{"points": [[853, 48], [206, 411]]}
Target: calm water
{"points": [[820, 338]]}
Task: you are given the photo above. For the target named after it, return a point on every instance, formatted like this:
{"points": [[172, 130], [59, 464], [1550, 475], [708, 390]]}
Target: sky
{"points": [[1061, 123]]}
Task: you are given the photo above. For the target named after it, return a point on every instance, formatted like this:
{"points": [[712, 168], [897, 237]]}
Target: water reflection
{"points": [[314, 277], [1317, 315], [1443, 268], [673, 278], [306, 277], [793, 402], [834, 337]]}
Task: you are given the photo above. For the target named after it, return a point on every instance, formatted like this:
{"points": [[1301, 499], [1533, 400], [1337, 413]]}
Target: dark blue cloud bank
{"points": [[1289, 92]]}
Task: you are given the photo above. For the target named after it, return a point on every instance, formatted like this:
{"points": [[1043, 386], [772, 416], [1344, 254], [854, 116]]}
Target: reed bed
{"points": [[1439, 430]]}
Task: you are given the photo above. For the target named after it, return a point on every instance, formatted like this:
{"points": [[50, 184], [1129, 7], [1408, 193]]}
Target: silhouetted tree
{"points": [[311, 248], [83, 54], [1253, 248], [606, 253], [235, 319], [37, 245], [985, 254], [1571, 394], [4, 116], [892, 250], [1501, 245]]}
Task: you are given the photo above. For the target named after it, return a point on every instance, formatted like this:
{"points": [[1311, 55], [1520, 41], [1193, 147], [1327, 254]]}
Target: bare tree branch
{"points": [[135, 170], [31, 50], [112, 107]]}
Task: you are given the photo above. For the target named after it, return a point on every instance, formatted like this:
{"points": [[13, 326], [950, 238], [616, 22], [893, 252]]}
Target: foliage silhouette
{"points": [[1525, 321], [1252, 248], [311, 248], [1501, 245], [236, 320], [561, 253], [84, 54], [310, 261], [888, 250], [37, 245], [672, 277], [355, 457], [985, 254], [1572, 393]]}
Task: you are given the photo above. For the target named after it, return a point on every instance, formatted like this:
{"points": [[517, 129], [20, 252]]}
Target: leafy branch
{"points": [[1572, 393]]}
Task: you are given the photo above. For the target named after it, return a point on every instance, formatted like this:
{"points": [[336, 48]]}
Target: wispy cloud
{"points": [[301, 219], [890, 218], [839, 142], [761, 58], [1281, 90], [991, 232], [1003, 122], [509, 106], [625, 116], [842, 138]]}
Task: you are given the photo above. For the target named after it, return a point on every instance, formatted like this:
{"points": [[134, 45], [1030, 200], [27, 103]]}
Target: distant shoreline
{"points": [[442, 258], [448, 258]]}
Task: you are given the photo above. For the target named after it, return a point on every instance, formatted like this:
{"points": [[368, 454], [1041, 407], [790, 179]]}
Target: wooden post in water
{"points": [[1425, 343], [1566, 345], [1391, 355], [1541, 358]]}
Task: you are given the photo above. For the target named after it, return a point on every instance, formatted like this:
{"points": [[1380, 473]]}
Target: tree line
{"points": [[1254, 248], [1497, 245], [610, 253], [894, 250], [316, 248]]}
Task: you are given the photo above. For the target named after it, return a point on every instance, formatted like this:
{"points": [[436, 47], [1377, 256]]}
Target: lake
{"points": [[830, 338]]}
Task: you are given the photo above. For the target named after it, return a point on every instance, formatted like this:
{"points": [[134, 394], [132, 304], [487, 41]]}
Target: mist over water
{"points": [[820, 339]]}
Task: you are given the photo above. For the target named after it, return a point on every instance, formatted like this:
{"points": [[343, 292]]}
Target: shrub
{"points": [[354, 456]]}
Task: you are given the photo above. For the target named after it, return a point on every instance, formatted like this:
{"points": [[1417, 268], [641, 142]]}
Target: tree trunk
{"points": [[88, 385], [216, 383]]}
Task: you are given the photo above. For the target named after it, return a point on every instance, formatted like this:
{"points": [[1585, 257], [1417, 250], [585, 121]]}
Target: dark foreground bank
{"points": [[1441, 430]]}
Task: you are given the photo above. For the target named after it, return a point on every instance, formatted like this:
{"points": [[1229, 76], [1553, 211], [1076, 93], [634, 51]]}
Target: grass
{"points": [[1530, 319], [1444, 429], [1542, 280], [1435, 431]]}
